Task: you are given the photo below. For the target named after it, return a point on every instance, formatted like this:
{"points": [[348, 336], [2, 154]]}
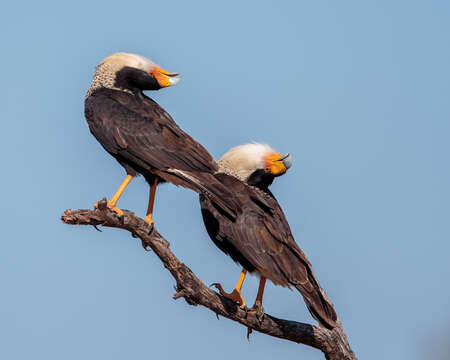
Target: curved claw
{"points": [[119, 212], [260, 318], [234, 296], [101, 205], [151, 223], [258, 310], [246, 309], [145, 246], [151, 228], [110, 206]]}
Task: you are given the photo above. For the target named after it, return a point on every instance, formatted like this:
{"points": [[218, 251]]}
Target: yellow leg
{"points": [[113, 201], [257, 306], [259, 296], [236, 294], [151, 202]]}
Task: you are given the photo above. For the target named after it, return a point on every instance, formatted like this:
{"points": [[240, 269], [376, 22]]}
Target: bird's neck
{"points": [[226, 169], [258, 179], [105, 78]]}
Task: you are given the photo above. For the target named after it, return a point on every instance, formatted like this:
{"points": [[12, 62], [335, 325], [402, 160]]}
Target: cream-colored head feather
{"points": [[243, 160], [105, 74], [120, 60]]}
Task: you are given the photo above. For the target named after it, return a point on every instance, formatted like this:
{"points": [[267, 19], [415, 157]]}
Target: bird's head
{"points": [[256, 164], [132, 72]]}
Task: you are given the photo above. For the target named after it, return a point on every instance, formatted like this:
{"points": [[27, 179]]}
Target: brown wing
{"points": [[260, 239], [141, 132], [143, 137]]}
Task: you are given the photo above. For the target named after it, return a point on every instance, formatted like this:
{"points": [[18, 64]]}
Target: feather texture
{"points": [[260, 239], [145, 140]]}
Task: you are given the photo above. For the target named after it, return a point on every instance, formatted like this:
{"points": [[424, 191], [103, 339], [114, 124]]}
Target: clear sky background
{"points": [[357, 91]]}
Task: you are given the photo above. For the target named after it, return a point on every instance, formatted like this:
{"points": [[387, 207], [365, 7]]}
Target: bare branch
{"points": [[333, 343]]}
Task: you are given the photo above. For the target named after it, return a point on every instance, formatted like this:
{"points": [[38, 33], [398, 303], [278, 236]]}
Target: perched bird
{"points": [[142, 136], [260, 238]]}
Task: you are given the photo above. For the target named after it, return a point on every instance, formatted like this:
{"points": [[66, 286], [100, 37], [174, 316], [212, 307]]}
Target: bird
{"points": [[143, 137], [260, 239]]}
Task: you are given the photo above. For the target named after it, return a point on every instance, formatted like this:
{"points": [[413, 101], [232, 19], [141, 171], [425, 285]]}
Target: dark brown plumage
{"points": [[260, 238], [141, 135]]}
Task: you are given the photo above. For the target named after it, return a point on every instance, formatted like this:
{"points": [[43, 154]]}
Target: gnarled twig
{"points": [[333, 343]]}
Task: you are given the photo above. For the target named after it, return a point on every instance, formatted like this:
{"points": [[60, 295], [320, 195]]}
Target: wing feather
{"points": [[135, 127], [262, 237], [142, 136]]}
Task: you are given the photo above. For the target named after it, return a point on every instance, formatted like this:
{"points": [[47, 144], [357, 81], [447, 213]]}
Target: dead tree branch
{"points": [[333, 343]]}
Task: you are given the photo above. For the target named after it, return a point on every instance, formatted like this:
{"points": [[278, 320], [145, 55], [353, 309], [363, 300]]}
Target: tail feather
{"points": [[319, 307]]}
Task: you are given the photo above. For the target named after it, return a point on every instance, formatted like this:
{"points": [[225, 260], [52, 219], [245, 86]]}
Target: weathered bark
{"points": [[333, 343]]}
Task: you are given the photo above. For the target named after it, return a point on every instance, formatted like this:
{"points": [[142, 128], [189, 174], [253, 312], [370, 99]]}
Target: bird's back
{"points": [[143, 137], [260, 239], [140, 132]]}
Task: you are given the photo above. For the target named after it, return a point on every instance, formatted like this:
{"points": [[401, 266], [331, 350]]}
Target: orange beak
{"points": [[277, 164], [163, 77]]}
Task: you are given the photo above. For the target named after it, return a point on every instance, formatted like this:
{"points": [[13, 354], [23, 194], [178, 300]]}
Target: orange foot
{"points": [[112, 207], [149, 220], [234, 296]]}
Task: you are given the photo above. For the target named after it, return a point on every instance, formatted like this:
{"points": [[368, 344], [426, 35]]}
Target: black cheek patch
{"points": [[131, 78], [260, 179]]}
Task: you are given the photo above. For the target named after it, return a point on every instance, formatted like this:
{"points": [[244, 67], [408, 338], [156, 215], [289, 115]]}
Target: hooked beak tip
{"points": [[174, 80], [287, 160]]}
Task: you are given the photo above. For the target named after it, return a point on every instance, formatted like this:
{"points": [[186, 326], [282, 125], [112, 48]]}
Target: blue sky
{"points": [[356, 91]]}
